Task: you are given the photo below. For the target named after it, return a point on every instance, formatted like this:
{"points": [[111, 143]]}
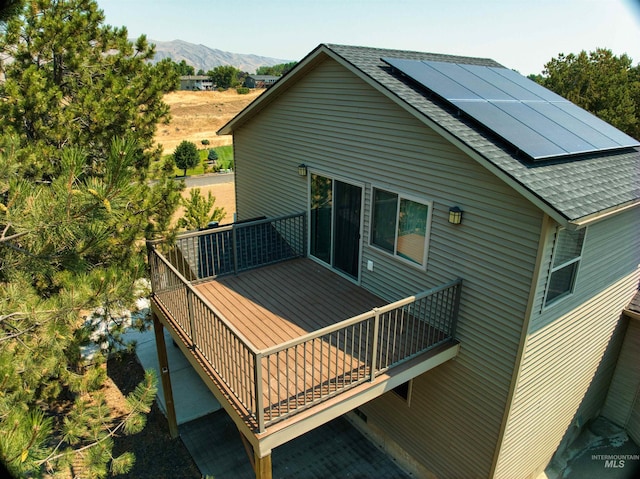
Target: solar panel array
{"points": [[533, 119]]}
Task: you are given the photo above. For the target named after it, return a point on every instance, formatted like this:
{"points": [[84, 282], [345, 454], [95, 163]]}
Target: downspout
{"points": [[524, 334]]}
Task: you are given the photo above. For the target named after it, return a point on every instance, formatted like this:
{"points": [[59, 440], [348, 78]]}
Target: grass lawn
{"points": [[225, 160]]}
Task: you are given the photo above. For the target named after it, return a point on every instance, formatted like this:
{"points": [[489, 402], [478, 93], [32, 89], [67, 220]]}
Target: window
{"points": [[399, 226], [567, 254]]}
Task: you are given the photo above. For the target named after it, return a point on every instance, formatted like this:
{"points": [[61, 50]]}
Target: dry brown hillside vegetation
{"points": [[197, 115]]}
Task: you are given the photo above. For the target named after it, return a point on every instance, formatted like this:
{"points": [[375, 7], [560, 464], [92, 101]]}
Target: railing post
{"points": [[374, 346], [257, 377], [191, 320], [153, 271], [304, 235], [456, 307], [234, 240]]}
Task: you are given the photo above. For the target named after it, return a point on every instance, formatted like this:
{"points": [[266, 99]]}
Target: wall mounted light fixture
{"points": [[302, 169], [455, 215]]}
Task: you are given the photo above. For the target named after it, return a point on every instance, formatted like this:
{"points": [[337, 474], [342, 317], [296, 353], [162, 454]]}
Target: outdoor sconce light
{"points": [[302, 169], [455, 215]]}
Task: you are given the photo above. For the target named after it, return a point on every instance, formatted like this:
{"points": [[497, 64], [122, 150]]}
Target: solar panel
{"points": [[533, 119]]}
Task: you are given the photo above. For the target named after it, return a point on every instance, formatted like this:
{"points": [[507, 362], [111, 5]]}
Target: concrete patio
{"points": [[334, 450]]}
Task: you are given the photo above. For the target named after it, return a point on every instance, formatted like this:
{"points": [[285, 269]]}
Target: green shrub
{"points": [[241, 90], [186, 156], [205, 142]]}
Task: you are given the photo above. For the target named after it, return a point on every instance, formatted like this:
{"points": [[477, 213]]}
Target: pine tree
{"points": [[199, 211], [77, 116], [604, 84], [74, 81]]}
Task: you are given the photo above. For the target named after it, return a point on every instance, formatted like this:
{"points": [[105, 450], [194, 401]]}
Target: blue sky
{"points": [[520, 34]]}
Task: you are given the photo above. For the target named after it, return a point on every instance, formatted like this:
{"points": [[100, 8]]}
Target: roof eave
{"points": [[600, 215], [273, 92]]}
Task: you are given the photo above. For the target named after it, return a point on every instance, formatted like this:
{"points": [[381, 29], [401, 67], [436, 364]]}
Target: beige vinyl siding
{"points": [[337, 124], [623, 399], [571, 348]]}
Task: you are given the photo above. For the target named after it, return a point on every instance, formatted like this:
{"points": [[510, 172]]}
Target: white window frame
{"points": [[427, 234], [552, 269]]}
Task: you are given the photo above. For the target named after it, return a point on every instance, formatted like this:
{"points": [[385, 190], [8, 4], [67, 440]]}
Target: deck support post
{"points": [[163, 361], [263, 467], [257, 378]]}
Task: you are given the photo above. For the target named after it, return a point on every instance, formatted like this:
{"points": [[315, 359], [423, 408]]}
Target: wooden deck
{"points": [[288, 346], [277, 303]]}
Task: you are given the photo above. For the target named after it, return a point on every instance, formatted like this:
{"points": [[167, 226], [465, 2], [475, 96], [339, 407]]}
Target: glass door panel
{"points": [[335, 211], [346, 245], [321, 214]]}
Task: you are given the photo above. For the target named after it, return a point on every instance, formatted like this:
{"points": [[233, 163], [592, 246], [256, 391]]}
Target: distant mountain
{"points": [[205, 58]]}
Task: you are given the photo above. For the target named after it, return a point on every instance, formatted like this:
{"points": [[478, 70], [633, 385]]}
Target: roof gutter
{"points": [[600, 215], [632, 314]]}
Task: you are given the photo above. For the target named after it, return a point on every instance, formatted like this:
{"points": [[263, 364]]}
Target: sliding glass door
{"points": [[336, 209]]}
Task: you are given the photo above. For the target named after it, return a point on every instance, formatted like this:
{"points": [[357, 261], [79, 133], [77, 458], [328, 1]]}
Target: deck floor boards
{"points": [[283, 301], [275, 304]]}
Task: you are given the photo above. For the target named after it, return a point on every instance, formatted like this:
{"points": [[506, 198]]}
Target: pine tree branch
{"points": [[11, 315], [27, 252], [4, 238], [111, 433], [32, 440], [19, 333]]}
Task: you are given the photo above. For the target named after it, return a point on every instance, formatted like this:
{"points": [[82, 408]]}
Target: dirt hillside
{"points": [[196, 116]]}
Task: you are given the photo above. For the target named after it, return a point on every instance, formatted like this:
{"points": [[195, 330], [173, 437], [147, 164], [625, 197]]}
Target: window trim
{"points": [[427, 233], [552, 269]]}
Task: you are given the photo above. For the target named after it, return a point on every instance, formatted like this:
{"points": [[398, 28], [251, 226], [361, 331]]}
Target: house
{"points": [[472, 239], [195, 82], [260, 81]]}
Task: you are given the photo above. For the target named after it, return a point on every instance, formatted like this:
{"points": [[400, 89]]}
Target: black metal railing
{"points": [[239, 247]]}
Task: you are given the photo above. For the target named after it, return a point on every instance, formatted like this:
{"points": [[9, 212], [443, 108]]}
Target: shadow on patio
{"points": [[334, 450]]}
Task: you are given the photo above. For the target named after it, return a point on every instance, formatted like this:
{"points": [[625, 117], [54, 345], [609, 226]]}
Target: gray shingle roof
{"points": [[575, 188]]}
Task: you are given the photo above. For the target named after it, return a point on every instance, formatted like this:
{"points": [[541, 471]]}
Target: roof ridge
{"points": [[337, 48]]}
